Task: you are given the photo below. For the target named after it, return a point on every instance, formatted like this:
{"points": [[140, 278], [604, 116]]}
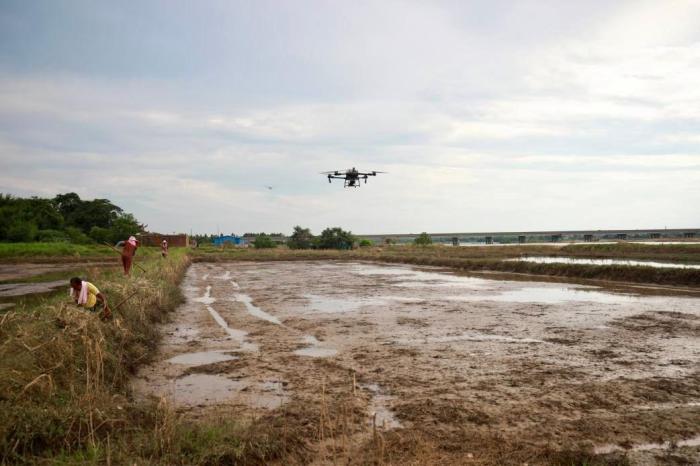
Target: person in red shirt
{"points": [[128, 253]]}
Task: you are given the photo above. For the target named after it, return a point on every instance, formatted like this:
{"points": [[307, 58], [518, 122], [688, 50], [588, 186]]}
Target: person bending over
{"points": [[86, 295]]}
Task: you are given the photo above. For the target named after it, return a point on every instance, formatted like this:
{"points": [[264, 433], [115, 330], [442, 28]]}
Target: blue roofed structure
{"points": [[231, 239]]}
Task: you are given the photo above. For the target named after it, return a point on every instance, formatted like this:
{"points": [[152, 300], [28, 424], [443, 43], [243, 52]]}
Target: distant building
{"points": [[155, 239], [230, 239]]}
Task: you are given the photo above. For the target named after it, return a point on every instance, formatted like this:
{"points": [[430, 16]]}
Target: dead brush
{"points": [[165, 425]]}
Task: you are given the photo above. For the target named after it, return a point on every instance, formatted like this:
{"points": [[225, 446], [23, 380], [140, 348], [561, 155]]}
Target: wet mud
{"points": [[466, 364]]}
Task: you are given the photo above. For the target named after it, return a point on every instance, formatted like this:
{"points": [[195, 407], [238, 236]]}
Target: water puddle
{"points": [[469, 336], [380, 414], [206, 298], [224, 276], [551, 295], [413, 278], [201, 358], [606, 449], [668, 406], [197, 389], [23, 289], [205, 276], [363, 269], [331, 305], [315, 350], [254, 310], [271, 394], [631, 263], [235, 285], [235, 334]]}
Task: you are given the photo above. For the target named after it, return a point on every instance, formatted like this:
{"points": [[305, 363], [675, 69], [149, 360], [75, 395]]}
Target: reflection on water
{"points": [[380, 413], [314, 350], [550, 295], [606, 449], [631, 263], [203, 388], [331, 305], [200, 358], [468, 336], [255, 310]]}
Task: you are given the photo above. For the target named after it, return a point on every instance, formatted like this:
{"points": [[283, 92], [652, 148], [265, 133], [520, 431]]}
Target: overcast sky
{"points": [[488, 115]]}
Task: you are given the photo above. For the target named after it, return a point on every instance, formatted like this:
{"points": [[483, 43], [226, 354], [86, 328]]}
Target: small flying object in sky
{"points": [[268, 187], [351, 176]]}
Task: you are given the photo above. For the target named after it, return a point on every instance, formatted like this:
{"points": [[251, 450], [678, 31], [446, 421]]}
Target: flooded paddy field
{"points": [[447, 368]]}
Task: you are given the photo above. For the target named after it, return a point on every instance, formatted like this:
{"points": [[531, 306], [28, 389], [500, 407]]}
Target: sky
{"points": [[487, 115]]}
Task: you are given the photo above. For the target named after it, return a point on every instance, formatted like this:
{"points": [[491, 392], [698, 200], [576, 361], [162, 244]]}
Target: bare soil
{"points": [[397, 364]]}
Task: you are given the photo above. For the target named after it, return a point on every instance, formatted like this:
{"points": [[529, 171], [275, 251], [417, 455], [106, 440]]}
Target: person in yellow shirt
{"points": [[87, 295]]}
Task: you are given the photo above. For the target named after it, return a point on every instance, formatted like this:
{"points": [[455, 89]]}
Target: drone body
{"points": [[351, 176]]}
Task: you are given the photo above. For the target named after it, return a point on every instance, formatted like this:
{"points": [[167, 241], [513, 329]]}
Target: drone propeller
{"points": [[335, 172]]}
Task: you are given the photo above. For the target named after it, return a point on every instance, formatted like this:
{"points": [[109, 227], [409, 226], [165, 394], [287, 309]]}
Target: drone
{"points": [[351, 176]]}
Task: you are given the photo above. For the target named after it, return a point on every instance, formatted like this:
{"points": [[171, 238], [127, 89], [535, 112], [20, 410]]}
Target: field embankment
{"points": [[492, 259], [64, 372]]}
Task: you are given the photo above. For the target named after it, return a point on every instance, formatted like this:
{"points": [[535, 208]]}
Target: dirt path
{"points": [[451, 369]]}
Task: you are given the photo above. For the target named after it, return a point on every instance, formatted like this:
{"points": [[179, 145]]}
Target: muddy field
{"points": [[423, 363]]}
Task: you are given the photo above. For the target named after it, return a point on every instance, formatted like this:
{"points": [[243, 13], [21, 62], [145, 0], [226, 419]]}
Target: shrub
{"points": [[264, 241], [100, 235], [300, 239], [76, 236], [365, 243], [423, 240], [51, 236], [335, 238], [21, 232]]}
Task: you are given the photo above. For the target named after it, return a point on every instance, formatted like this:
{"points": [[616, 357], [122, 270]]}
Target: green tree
{"points": [[365, 243], [423, 240], [301, 238], [51, 236], [263, 241], [100, 235], [335, 238], [21, 232], [124, 226], [77, 236]]}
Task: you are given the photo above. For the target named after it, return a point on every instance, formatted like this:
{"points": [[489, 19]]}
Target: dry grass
{"points": [[64, 372]]}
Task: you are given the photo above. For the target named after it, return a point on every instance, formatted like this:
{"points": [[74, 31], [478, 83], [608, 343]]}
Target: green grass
{"points": [[67, 252]]}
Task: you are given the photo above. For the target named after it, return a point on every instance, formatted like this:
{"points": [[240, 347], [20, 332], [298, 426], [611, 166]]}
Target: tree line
{"points": [[65, 217], [302, 238]]}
